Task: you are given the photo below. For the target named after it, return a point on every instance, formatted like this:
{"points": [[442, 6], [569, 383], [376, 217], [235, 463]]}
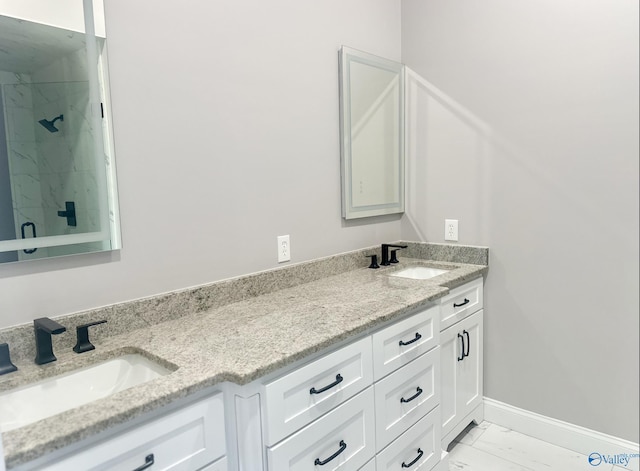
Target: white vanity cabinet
{"points": [[416, 449], [190, 438], [342, 439], [355, 406], [301, 396], [407, 399], [461, 345]]}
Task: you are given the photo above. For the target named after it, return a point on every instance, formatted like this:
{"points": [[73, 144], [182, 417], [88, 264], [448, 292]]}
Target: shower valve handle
{"points": [[70, 213]]}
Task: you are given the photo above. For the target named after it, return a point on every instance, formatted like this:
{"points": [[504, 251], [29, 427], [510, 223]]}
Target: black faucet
{"points": [[44, 329], [386, 261]]}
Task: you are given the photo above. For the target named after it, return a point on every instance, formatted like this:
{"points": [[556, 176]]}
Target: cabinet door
{"points": [[460, 370], [450, 354], [469, 387]]}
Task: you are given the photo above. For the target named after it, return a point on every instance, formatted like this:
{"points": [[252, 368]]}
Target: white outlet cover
{"points": [[284, 249], [451, 229]]}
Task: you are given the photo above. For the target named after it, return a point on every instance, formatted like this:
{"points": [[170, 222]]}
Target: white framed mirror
{"points": [[58, 192], [371, 134]]}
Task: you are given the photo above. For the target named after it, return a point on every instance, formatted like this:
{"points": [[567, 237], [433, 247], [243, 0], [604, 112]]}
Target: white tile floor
{"points": [[489, 447]]}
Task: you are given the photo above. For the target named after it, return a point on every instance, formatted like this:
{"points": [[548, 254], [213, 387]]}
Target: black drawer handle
{"points": [[468, 343], [338, 380], [461, 357], [420, 453], [402, 399], [466, 301], [343, 446], [415, 339], [148, 462]]}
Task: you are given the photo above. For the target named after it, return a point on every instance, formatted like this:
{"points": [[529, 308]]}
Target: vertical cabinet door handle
{"points": [[466, 334], [343, 446], [461, 357], [148, 462], [420, 453]]}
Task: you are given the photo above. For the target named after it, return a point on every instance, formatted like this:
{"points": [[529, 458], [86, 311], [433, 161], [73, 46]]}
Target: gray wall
{"points": [[549, 181], [226, 135]]}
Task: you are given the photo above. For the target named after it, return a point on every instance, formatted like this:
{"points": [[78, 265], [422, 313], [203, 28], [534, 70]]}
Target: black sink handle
{"points": [[82, 333], [5, 360]]}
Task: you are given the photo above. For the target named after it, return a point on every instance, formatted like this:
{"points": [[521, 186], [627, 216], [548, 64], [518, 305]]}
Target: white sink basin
{"points": [[36, 401], [419, 273]]}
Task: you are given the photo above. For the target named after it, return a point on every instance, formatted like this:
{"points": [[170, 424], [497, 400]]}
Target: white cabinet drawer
{"points": [[370, 466], [403, 397], [460, 303], [184, 440], [220, 465], [346, 434], [404, 341], [416, 449], [298, 398]]}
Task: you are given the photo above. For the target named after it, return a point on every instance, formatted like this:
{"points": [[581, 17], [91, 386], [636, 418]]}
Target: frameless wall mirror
{"points": [[372, 134], [57, 174]]}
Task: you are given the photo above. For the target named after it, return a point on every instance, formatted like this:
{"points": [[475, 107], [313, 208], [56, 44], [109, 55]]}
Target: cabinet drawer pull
{"points": [[461, 357], [468, 343], [148, 462], [343, 446], [338, 380], [415, 339], [420, 453], [402, 399], [466, 301]]}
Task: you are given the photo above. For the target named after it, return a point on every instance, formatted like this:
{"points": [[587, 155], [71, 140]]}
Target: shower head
{"points": [[49, 124]]}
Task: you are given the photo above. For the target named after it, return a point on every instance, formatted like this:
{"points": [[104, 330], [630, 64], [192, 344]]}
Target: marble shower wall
{"points": [[24, 166], [47, 169]]}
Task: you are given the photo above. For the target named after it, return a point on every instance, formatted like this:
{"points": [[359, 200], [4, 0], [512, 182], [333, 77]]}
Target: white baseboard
{"points": [[566, 435]]}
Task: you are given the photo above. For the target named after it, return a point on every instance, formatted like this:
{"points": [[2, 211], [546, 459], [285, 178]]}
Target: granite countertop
{"points": [[239, 343]]}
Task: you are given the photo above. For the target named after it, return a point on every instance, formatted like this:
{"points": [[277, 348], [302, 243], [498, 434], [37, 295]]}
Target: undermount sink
{"points": [[48, 397], [419, 273]]}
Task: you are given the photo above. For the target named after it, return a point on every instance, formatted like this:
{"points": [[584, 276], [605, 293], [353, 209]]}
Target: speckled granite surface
{"points": [[210, 335]]}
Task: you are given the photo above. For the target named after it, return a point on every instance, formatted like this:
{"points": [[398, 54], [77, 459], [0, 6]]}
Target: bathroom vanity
{"points": [[352, 370]]}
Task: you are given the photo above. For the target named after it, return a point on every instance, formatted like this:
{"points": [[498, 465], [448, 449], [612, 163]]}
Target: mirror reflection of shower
{"points": [[48, 168], [49, 125], [57, 175]]}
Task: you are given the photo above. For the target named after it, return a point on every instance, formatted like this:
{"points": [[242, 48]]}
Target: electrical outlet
{"points": [[451, 229], [284, 249]]}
